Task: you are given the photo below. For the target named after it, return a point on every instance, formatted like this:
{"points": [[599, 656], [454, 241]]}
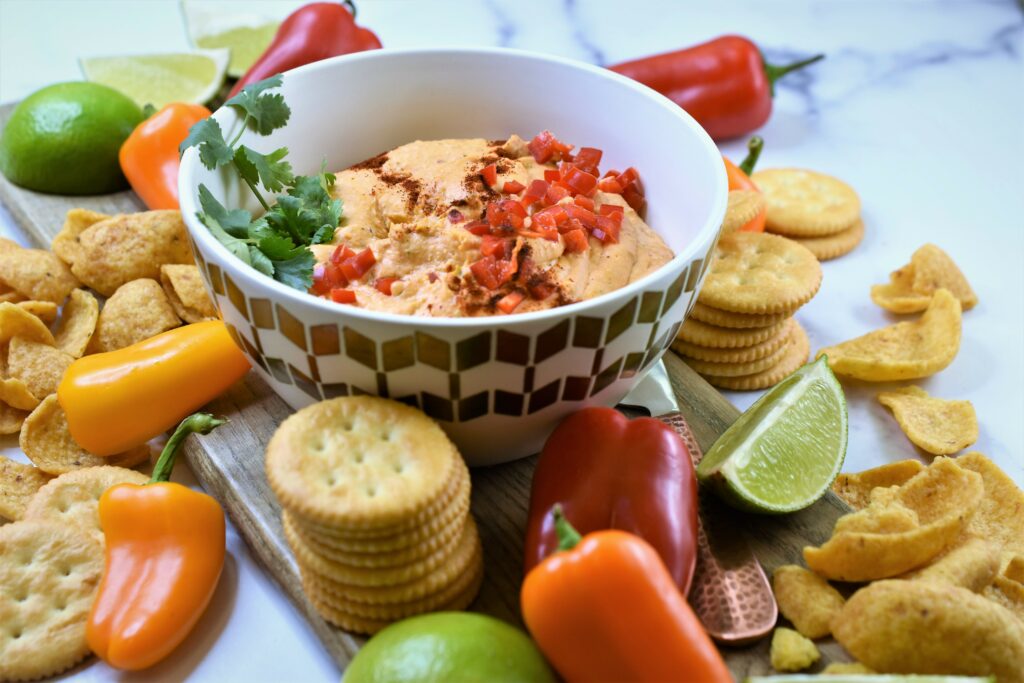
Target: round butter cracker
{"points": [[742, 207], [738, 355], [49, 573], [804, 203], [740, 321], [712, 336], [761, 274], [359, 462], [828, 247], [795, 356]]}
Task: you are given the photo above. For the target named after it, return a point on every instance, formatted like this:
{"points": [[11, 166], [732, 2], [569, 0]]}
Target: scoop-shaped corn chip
{"points": [[77, 323], [855, 487], [138, 310], [1008, 587], [65, 245], [879, 541], [907, 350], [923, 627], [972, 565], [15, 393], [18, 483], [36, 274], [15, 321], [791, 651], [11, 419], [1000, 515], [44, 310], [39, 366], [184, 287], [128, 247], [935, 425], [48, 443], [910, 288], [806, 599]]}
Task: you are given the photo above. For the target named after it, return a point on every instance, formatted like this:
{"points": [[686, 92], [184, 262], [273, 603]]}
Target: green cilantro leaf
{"points": [[296, 272], [260, 262], [235, 222], [208, 137], [264, 112], [267, 168]]}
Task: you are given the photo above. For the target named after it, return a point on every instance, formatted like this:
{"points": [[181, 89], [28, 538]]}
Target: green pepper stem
{"points": [[198, 423], [568, 537], [754, 147], [351, 8], [774, 72]]}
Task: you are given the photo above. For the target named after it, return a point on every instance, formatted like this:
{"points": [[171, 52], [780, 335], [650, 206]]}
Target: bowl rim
{"points": [[188, 191]]}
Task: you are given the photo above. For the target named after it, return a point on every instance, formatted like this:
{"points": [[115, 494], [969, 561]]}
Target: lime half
{"points": [[162, 78], [868, 678], [783, 453], [219, 24]]}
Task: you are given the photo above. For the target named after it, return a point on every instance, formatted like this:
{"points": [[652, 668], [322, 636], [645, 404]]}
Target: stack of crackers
{"points": [[820, 212], [741, 333], [51, 563], [376, 510]]}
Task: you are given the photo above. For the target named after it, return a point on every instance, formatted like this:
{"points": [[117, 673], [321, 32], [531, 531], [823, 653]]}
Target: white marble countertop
{"points": [[918, 106]]}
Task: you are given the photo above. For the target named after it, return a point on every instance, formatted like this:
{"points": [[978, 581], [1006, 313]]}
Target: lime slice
{"points": [[783, 453], [162, 78], [868, 678], [213, 25]]}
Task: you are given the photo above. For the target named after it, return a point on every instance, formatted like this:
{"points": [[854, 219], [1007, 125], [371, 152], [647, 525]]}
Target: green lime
{"points": [[64, 139], [868, 678], [449, 646], [193, 77], [212, 24], [783, 453]]}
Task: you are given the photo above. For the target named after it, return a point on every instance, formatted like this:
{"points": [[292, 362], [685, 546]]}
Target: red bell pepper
{"points": [[724, 83], [609, 472], [313, 32]]}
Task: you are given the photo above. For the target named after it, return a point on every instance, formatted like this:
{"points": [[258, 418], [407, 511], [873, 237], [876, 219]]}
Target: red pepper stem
{"points": [[351, 8], [198, 423], [568, 537], [776, 72], [754, 147]]}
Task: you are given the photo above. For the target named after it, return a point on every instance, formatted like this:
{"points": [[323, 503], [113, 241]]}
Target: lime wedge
{"points": [[161, 78], [783, 453], [213, 25], [868, 678]]}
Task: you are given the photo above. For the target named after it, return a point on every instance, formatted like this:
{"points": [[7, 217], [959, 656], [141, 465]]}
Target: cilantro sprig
{"points": [[276, 243]]}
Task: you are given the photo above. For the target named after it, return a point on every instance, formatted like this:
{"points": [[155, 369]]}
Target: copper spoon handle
{"points": [[730, 592]]}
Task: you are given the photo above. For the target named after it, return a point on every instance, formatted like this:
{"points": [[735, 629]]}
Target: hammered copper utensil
{"points": [[730, 592]]}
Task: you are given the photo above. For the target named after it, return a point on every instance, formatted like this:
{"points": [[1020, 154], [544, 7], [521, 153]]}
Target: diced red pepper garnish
{"points": [[552, 175], [628, 176], [541, 290], [610, 184], [571, 224], [485, 273], [508, 303], [513, 207], [343, 296], [611, 210], [493, 246], [534, 193], [635, 200], [540, 146], [555, 194], [585, 202], [609, 227], [478, 227], [513, 187], [365, 260], [587, 218], [320, 286], [340, 253], [383, 284], [490, 175], [588, 159], [575, 241], [581, 182]]}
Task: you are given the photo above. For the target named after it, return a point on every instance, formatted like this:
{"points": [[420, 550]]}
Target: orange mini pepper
{"points": [[165, 551], [604, 608], [739, 179], [120, 399], [150, 158]]}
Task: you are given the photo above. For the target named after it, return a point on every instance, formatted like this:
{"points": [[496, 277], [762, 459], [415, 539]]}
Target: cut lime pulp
{"points": [[160, 79], [783, 453], [234, 25]]}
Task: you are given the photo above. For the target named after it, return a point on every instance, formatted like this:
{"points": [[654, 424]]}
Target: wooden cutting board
{"points": [[229, 463]]}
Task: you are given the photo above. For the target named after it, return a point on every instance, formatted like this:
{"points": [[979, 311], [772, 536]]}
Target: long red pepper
{"points": [[313, 32], [608, 472], [724, 83]]}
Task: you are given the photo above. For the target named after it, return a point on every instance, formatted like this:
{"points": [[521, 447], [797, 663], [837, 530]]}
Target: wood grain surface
{"points": [[229, 464]]}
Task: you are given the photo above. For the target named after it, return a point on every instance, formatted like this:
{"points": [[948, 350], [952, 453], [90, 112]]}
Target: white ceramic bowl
{"points": [[498, 385]]}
